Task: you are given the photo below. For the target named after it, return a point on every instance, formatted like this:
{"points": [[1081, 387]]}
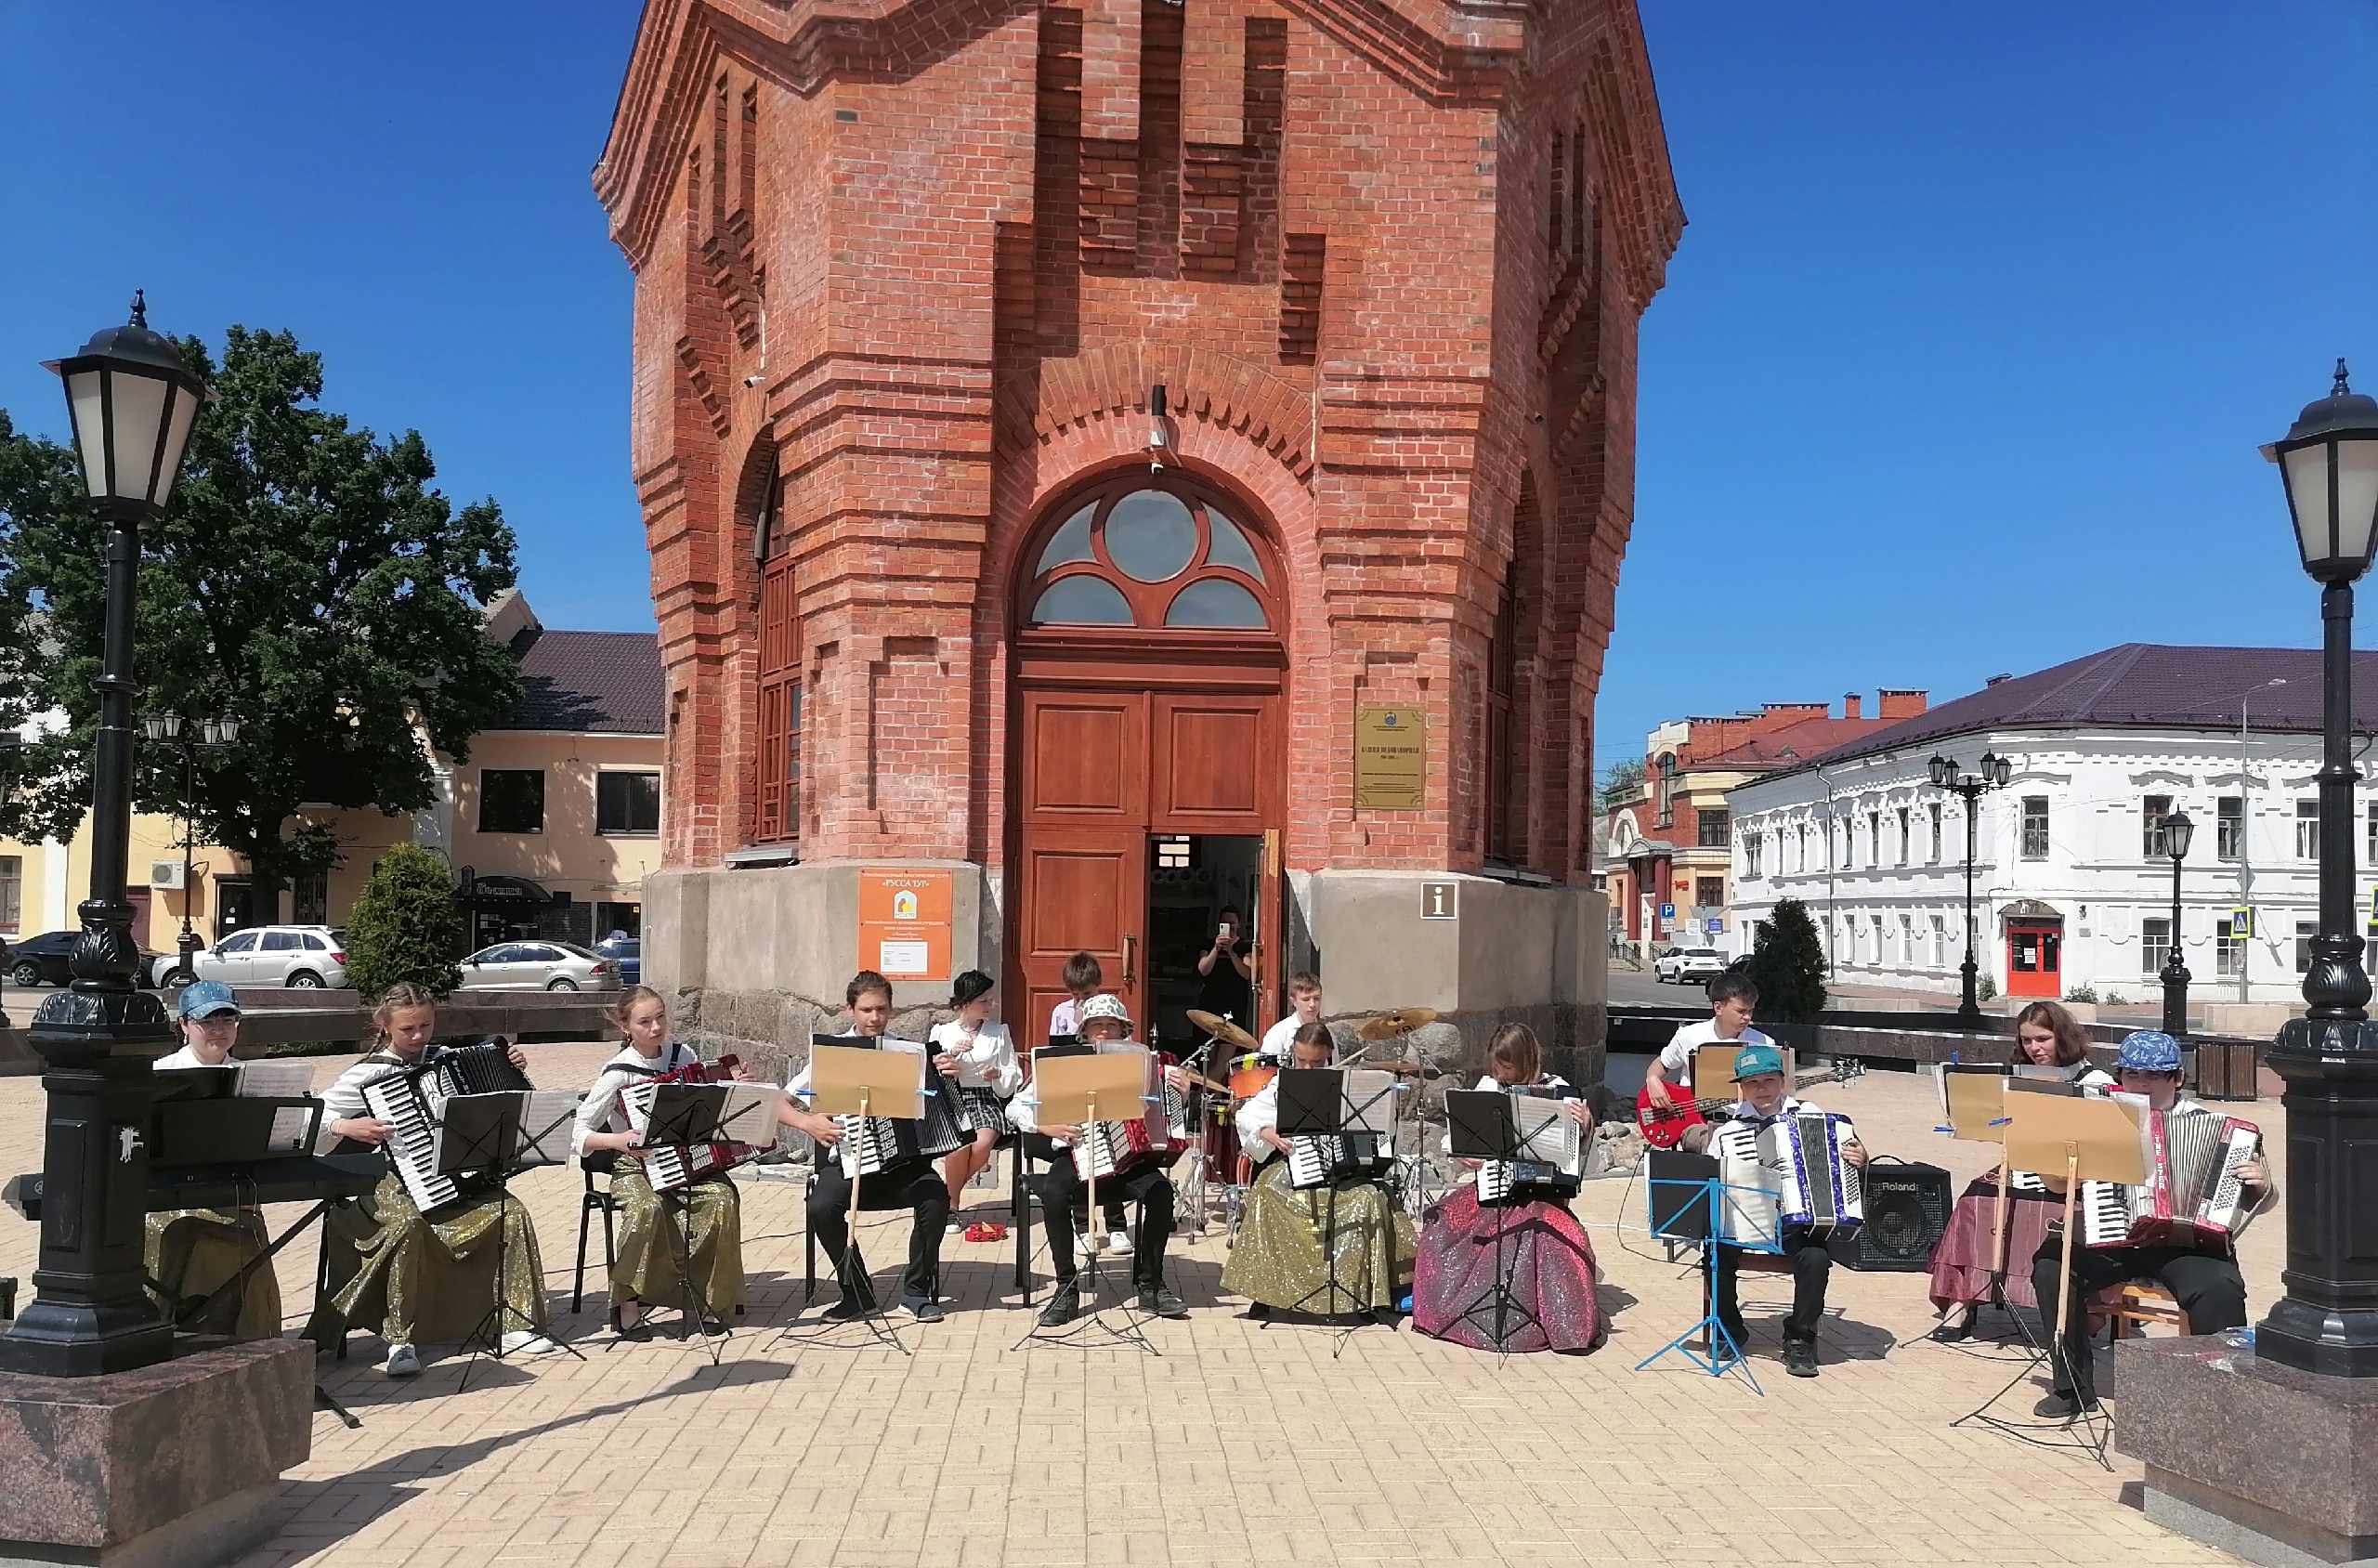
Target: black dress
{"points": [[1225, 992]]}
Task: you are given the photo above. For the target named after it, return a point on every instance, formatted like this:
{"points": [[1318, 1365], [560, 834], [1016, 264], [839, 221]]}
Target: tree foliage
{"points": [[306, 582], [1788, 965], [1623, 781], [406, 924]]}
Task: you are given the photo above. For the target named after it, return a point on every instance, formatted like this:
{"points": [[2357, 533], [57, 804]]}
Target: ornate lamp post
{"points": [[2327, 1320], [219, 734], [132, 402], [2177, 831], [1970, 788]]}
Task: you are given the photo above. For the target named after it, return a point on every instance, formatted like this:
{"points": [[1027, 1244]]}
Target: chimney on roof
{"points": [[1850, 702], [1899, 702]]}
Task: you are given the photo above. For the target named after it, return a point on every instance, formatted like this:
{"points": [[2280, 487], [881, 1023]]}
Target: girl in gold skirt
{"points": [[425, 1279], [693, 1234], [193, 1252]]}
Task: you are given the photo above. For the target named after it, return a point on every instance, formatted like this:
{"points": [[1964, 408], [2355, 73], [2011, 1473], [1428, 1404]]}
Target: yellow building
{"points": [[552, 824]]}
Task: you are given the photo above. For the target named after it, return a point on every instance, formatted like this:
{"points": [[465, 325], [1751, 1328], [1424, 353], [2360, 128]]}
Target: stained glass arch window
{"points": [[1155, 553]]}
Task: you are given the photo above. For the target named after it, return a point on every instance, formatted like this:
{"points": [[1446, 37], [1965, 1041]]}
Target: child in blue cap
{"points": [[191, 1252], [1759, 1074], [2204, 1278]]}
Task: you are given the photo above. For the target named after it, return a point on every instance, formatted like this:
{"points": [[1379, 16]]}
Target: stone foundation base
{"points": [[2255, 1458], [172, 1466]]}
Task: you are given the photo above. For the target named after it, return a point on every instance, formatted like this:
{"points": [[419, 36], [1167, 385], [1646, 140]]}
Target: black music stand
{"points": [[688, 1115], [1481, 1125], [481, 1133], [1314, 1102]]}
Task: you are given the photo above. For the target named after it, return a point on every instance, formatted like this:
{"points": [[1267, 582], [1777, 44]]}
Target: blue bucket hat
{"points": [[1753, 1061], [207, 999], [2150, 1050]]}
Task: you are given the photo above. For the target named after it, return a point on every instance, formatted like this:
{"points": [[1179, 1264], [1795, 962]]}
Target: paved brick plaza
{"points": [[1238, 1444]]}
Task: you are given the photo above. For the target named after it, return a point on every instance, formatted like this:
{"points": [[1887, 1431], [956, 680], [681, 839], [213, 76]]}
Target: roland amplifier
{"points": [[1907, 1208]]}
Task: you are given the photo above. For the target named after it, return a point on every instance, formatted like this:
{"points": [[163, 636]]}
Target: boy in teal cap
{"points": [[1759, 1074], [2204, 1277]]}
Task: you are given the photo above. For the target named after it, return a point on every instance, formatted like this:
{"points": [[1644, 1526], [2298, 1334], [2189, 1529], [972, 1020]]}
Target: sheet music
{"points": [[546, 1118], [750, 1115], [285, 1077], [1369, 1097]]}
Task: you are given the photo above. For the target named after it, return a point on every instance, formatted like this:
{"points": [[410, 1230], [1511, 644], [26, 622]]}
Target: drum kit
{"points": [[1242, 1073]]}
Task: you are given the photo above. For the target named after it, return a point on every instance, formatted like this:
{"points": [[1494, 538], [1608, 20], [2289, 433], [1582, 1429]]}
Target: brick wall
{"points": [[925, 261]]}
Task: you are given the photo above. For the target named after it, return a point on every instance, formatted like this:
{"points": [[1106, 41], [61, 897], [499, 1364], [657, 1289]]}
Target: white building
{"points": [[2073, 886]]}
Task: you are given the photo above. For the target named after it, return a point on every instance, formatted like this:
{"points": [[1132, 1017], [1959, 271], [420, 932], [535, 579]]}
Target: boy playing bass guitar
{"points": [[1659, 1110]]}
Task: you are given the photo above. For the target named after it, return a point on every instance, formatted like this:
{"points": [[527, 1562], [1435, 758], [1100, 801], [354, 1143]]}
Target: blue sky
{"points": [[1959, 369]]}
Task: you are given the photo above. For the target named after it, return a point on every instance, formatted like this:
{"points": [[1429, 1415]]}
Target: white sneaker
{"points": [[1120, 1243], [1081, 1244], [403, 1362], [525, 1342], [953, 1228]]}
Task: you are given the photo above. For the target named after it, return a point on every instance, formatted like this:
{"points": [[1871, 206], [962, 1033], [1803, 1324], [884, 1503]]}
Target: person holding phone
{"points": [[1225, 990]]}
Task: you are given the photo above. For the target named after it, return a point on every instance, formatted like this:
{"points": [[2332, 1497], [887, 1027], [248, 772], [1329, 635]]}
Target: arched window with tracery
{"points": [[1160, 553], [778, 764]]}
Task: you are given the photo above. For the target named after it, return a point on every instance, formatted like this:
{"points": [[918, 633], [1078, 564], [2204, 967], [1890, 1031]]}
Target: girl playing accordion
{"points": [[977, 1055], [685, 1250], [417, 1278]]}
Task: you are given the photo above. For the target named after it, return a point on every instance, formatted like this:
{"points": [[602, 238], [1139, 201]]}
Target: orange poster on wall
{"points": [[904, 922]]}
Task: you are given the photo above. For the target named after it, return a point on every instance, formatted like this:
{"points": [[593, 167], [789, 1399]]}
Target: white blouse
{"points": [[1259, 1115], [601, 1110], [985, 1058]]}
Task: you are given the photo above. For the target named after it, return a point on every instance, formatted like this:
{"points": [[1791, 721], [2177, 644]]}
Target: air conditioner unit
{"points": [[166, 874]]}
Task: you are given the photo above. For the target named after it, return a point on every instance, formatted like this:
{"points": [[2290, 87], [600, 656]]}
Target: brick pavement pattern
{"points": [[1237, 1444]]}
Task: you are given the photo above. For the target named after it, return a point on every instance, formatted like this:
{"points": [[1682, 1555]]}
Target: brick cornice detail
{"points": [[1449, 52], [1222, 390]]}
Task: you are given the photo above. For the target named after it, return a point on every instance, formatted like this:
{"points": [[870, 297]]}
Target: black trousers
{"points": [[1811, 1267], [1063, 1191], [2207, 1286], [912, 1184], [1037, 1146]]}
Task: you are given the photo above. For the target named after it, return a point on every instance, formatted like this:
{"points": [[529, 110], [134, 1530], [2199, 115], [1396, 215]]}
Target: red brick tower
{"points": [[937, 587]]}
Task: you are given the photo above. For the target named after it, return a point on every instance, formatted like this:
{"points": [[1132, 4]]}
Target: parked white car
{"points": [[305, 958], [1681, 964], [539, 966]]}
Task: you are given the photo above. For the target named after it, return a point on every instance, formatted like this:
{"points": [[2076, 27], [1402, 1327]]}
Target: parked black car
{"points": [[43, 961]]}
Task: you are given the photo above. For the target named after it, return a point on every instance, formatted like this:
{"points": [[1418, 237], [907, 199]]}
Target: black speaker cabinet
{"points": [[1907, 1208]]}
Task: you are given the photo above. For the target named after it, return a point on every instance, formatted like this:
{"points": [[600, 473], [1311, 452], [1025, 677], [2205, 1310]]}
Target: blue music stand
{"points": [[1675, 1220]]}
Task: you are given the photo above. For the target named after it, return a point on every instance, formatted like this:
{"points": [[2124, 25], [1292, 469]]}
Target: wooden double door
{"points": [[1107, 758]]}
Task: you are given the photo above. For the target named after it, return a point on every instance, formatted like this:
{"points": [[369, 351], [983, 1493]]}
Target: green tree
{"points": [[306, 581], [1622, 782], [405, 924], [1788, 965]]}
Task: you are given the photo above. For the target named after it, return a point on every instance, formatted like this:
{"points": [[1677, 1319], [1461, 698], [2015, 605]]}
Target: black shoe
{"points": [[1157, 1301], [1952, 1333], [1385, 1316], [1064, 1305], [2062, 1406], [1801, 1357], [850, 1309], [1258, 1312], [925, 1310], [1738, 1331]]}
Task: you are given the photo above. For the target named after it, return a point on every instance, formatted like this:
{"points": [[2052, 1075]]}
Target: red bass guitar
{"points": [[1664, 1126]]}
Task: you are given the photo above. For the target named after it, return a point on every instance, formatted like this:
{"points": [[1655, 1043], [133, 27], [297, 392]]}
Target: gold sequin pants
{"points": [[699, 1225], [1287, 1239], [431, 1282], [192, 1251]]}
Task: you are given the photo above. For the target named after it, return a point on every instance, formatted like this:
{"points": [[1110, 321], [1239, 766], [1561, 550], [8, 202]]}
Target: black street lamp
{"points": [[219, 734], [2327, 1320], [132, 402], [1970, 788], [2177, 831]]}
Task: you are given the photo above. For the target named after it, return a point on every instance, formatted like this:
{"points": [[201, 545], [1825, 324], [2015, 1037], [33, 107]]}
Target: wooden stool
{"points": [[2137, 1303]]}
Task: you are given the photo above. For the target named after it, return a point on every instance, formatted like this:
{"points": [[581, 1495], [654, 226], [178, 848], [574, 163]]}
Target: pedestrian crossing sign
{"points": [[2242, 922]]}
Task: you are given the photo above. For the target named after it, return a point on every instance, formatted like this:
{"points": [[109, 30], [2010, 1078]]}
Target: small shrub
{"points": [[406, 924]]}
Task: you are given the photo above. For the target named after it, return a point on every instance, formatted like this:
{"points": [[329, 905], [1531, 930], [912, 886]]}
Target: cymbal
{"points": [[1224, 1030], [1402, 1021]]}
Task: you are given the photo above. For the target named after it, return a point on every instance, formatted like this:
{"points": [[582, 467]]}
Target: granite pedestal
{"points": [[171, 1466], [2277, 1466]]}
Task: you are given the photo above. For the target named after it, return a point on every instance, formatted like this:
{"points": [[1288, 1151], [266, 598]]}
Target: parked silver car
{"points": [[539, 966], [301, 957]]}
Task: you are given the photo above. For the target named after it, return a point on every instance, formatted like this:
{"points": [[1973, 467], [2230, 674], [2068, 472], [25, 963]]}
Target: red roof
{"points": [[1793, 743]]}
